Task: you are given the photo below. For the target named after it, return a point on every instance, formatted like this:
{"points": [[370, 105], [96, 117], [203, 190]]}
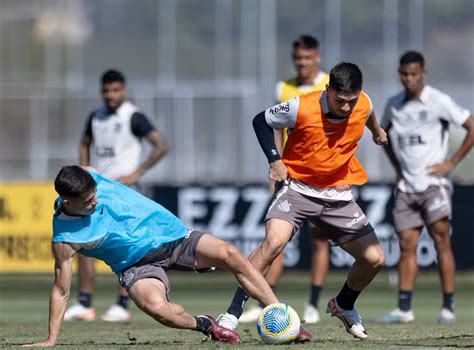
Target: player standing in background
{"points": [[306, 57], [417, 120], [315, 175], [114, 132], [140, 241]]}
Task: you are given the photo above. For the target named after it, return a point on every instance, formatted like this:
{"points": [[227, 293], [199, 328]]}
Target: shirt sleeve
{"points": [[88, 128], [283, 115], [141, 126], [452, 112]]}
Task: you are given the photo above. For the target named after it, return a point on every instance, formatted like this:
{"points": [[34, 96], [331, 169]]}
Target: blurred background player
{"points": [[306, 57], [113, 132], [417, 120]]}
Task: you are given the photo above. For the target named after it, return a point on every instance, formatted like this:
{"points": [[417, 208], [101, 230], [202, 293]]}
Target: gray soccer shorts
{"points": [[175, 255], [413, 210], [340, 222]]}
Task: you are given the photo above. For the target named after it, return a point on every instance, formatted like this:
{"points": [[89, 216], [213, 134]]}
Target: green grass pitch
{"points": [[24, 313]]}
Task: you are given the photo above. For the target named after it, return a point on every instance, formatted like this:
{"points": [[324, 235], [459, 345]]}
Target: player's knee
{"points": [[376, 260], [379, 262], [272, 247], [407, 245], [231, 254], [442, 241]]}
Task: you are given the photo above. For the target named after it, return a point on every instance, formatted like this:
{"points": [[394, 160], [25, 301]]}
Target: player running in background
{"points": [[315, 174], [113, 133], [140, 240], [417, 121], [309, 78]]}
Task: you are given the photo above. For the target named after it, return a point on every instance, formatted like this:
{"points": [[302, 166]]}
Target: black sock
{"points": [[202, 323], [448, 301], [238, 302], [404, 300], [274, 288], [123, 301], [315, 290], [347, 297], [85, 299]]}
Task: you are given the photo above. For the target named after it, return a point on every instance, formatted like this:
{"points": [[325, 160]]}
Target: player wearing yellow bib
{"points": [[309, 78]]}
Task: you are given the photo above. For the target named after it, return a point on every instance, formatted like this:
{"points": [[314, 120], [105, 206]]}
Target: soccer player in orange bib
{"points": [[315, 172]]}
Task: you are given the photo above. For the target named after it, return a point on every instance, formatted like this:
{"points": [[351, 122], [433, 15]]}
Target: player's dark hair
{"points": [[72, 180], [412, 56], [111, 76], [306, 42], [346, 77]]}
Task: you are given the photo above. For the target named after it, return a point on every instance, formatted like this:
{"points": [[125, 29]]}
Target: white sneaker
{"points": [[350, 318], [446, 316], [228, 321], [116, 313], [78, 312], [251, 315], [398, 316], [311, 314]]}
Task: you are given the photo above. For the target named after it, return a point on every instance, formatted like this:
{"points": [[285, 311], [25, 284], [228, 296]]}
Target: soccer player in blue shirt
{"points": [[140, 240]]}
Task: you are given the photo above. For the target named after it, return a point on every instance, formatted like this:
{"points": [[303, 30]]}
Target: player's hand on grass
{"points": [[380, 137], [278, 171], [44, 343], [441, 168]]}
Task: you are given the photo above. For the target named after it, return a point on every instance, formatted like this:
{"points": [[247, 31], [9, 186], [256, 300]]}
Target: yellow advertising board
{"points": [[26, 211]]}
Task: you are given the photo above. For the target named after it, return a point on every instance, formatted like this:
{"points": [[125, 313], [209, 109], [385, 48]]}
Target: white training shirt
{"points": [[116, 143], [284, 115], [418, 131]]}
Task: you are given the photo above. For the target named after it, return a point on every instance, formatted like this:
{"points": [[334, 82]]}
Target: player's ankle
{"points": [[202, 324]]}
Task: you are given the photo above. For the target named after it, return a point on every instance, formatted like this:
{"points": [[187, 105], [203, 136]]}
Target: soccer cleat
{"points": [[303, 336], [78, 312], [446, 316], [350, 318], [220, 333], [116, 313], [228, 321], [398, 316], [251, 315], [310, 314]]}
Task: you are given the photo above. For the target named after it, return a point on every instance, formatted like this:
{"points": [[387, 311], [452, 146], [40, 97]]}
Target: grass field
{"points": [[24, 312]]}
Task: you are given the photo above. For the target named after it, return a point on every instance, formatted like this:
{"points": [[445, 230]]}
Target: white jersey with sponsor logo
{"points": [[418, 131], [115, 149]]}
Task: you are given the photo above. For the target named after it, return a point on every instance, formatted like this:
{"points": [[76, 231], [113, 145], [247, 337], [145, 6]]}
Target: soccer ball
{"points": [[278, 324]]}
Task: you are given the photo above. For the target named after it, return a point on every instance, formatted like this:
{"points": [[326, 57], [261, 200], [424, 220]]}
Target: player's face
{"points": [[341, 103], [113, 94], [412, 75], [82, 205], [305, 61]]}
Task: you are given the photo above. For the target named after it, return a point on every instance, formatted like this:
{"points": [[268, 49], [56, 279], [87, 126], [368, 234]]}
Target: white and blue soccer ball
{"points": [[278, 324]]}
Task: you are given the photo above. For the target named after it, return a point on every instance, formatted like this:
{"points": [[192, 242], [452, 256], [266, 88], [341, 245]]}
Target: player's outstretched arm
{"points": [[378, 134], [63, 254]]}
